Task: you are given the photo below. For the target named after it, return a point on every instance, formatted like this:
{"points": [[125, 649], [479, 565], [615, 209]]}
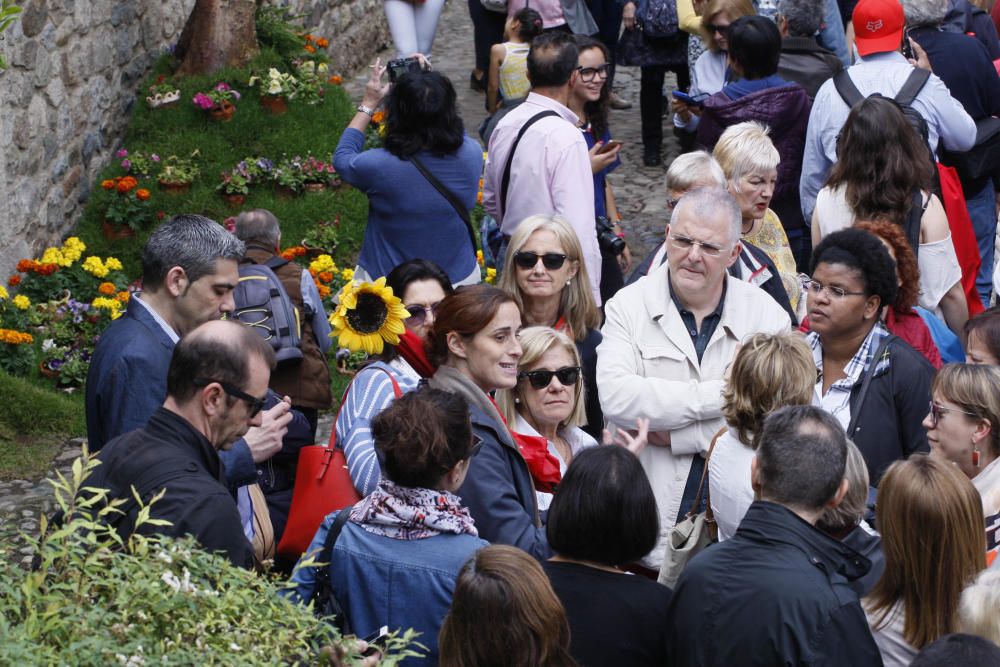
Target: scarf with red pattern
{"points": [[407, 513]]}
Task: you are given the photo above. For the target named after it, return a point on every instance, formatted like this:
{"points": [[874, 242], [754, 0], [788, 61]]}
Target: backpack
{"points": [[657, 19], [904, 98], [263, 304]]}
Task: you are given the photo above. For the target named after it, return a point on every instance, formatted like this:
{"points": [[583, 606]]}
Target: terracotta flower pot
{"points": [[223, 112], [47, 372], [275, 104], [113, 232], [285, 192], [313, 188], [312, 252], [235, 200], [174, 188]]}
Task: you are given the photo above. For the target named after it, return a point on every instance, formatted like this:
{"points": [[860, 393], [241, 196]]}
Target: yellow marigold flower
{"points": [[3, 293], [124, 296], [107, 289], [13, 337], [113, 306], [322, 263], [95, 267], [75, 243], [53, 256], [113, 264], [22, 302], [491, 275], [347, 274], [479, 258]]}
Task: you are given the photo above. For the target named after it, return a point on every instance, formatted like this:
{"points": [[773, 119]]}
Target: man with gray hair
{"points": [[189, 271], [668, 339], [778, 592], [803, 60]]}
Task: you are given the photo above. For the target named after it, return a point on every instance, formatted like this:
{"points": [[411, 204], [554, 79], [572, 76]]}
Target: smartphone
{"points": [[610, 146], [697, 100], [400, 66], [376, 641], [907, 50]]}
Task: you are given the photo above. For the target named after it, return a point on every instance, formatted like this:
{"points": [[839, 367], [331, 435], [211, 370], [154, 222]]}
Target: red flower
{"points": [[142, 194], [14, 280]]}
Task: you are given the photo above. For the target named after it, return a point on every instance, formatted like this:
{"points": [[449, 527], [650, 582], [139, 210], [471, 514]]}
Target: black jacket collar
{"points": [[770, 523], [793, 43], [171, 427]]}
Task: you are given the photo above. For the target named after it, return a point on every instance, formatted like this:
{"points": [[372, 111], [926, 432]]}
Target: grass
{"points": [[184, 128], [34, 424]]}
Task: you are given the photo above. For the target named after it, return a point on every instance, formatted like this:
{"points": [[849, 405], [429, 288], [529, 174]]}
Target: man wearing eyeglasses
{"points": [[216, 385], [668, 340]]}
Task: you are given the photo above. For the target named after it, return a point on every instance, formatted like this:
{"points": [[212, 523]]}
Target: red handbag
{"points": [[322, 485]]}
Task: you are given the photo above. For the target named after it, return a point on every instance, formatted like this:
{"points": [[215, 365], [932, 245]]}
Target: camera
{"points": [[401, 66], [606, 237]]}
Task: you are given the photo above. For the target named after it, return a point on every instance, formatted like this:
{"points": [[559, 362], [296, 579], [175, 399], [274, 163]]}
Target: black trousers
{"points": [[487, 30], [651, 100], [608, 16]]}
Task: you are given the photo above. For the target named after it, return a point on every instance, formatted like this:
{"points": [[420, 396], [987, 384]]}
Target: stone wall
{"points": [[75, 67]]}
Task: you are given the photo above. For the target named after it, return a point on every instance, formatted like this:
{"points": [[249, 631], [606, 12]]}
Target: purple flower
{"points": [[234, 93], [126, 164], [202, 101], [265, 164], [154, 157], [122, 153]]}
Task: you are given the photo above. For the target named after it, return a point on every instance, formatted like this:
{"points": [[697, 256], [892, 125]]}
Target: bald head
{"points": [[258, 225]]}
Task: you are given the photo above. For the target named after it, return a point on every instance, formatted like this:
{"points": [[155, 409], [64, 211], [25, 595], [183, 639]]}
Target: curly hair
{"points": [[907, 270], [421, 115], [863, 252], [881, 161]]}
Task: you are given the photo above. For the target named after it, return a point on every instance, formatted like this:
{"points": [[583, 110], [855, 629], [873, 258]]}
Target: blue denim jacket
{"points": [[384, 581]]}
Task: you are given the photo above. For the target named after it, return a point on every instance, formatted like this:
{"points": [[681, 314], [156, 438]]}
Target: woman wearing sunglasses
{"points": [[544, 275], [422, 285], [474, 341], [871, 380], [548, 398], [398, 554], [963, 428]]}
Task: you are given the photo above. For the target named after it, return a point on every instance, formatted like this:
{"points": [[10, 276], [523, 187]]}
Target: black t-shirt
{"points": [[614, 619]]}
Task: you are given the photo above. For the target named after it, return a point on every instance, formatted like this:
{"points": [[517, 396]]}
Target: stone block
{"points": [[59, 168], [55, 92], [26, 55], [34, 17], [101, 55], [72, 180], [43, 67], [49, 147], [22, 132], [125, 40], [123, 12], [92, 143]]}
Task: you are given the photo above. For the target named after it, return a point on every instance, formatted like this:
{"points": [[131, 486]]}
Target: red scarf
{"points": [[412, 349], [544, 467]]}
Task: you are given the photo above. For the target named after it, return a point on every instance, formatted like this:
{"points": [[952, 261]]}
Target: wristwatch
{"points": [[366, 110]]}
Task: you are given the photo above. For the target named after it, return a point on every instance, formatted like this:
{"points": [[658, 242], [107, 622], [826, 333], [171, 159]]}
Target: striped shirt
{"points": [[837, 400]]}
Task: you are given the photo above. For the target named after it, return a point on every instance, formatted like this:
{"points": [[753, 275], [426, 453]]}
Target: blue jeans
{"points": [[982, 212]]}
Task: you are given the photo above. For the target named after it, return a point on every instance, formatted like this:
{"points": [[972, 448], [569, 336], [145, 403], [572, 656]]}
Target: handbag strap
{"points": [[463, 213], [505, 181], [709, 515], [324, 589], [866, 382], [343, 400]]}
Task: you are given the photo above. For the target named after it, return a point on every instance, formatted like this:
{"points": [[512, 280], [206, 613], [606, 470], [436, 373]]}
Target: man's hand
{"points": [[265, 440], [659, 438], [921, 59], [599, 161], [625, 260], [628, 15]]}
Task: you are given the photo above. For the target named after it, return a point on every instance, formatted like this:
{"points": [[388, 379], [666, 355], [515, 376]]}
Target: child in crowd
{"points": [[508, 75]]}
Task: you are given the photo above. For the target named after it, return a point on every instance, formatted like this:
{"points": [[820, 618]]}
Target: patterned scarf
{"points": [[405, 513]]}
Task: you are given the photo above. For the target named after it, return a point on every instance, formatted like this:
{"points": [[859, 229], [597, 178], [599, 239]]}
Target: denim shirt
{"points": [[384, 581]]}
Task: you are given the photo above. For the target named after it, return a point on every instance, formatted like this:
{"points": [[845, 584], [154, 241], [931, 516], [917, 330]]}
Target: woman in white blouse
{"points": [[770, 371], [884, 171]]}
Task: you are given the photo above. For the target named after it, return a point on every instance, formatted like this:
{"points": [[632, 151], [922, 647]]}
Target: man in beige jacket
{"points": [[668, 340]]}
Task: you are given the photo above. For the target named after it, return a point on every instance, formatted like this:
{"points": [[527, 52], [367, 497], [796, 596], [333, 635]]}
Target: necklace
{"points": [[746, 230]]}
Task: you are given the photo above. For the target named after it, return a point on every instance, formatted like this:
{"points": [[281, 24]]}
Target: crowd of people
{"points": [[774, 440]]}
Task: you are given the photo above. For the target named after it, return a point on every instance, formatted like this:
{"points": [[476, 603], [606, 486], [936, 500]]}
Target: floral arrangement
{"points": [[289, 174], [218, 96], [376, 130], [129, 203], [177, 170], [162, 93], [310, 87], [315, 45], [327, 276], [234, 182], [275, 83], [317, 171], [368, 316], [324, 234], [140, 164]]}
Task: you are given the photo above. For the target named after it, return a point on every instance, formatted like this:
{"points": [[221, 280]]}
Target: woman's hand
{"points": [[375, 89], [634, 444], [628, 15], [599, 161], [685, 110]]}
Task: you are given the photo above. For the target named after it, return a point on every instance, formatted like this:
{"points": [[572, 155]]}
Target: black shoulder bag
{"points": [[883, 347], [505, 181], [463, 213], [324, 602]]}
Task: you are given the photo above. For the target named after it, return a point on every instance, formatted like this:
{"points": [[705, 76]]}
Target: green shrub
{"points": [[150, 600]]}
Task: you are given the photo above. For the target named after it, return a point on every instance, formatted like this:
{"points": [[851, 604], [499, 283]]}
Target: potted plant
{"points": [[322, 238], [316, 174], [177, 173], [311, 88], [162, 94], [276, 89], [288, 177], [129, 207], [136, 163], [219, 101], [234, 187]]}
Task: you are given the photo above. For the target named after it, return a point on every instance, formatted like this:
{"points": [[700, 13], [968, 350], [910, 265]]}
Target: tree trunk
{"points": [[219, 33]]}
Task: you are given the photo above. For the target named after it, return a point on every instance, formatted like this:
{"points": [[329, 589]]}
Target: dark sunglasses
{"points": [[419, 313], [256, 404], [550, 260], [721, 29], [541, 379]]}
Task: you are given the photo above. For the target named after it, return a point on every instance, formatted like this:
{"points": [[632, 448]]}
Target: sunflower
{"points": [[368, 316]]}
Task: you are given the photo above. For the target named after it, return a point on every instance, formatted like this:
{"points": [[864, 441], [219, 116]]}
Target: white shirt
{"points": [[895, 650], [729, 482], [574, 436]]}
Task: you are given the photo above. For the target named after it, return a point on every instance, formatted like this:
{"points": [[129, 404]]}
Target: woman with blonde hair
{"points": [[504, 613], [545, 275], [546, 405], [977, 608], [770, 371], [750, 161], [931, 520], [963, 428]]}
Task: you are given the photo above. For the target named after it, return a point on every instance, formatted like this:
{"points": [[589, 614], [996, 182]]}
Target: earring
{"points": [[569, 282], [975, 454], [517, 401]]}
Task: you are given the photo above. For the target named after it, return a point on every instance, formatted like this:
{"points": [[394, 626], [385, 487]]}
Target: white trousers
{"points": [[413, 25]]}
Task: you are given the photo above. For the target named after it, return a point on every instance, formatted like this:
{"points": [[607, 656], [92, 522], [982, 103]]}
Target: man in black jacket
{"points": [[778, 592], [216, 385], [803, 60]]}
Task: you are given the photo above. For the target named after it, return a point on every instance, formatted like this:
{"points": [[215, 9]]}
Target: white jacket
{"points": [[647, 367]]}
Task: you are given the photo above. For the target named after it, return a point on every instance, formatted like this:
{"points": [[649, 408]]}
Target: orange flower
{"points": [[142, 194], [324, 291], [325, 276], [336, 80], [308, 37], [123, 296], [322, 42], [14, 280], [479, 197], [313, 273], [45, 269], [287, 255], [310, 48], [24, 265], [378, 117], [107, 289], [108, 184]]}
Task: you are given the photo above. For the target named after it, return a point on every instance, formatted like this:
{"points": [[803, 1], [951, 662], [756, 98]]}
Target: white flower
{"points": [[322, 68], [274, 73], [164, 556], [274, 88], [48, 344], [171, 580], [254, 79]]}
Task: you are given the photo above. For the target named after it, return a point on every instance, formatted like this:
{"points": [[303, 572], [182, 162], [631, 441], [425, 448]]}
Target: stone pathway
{"points": [[639, 191]]}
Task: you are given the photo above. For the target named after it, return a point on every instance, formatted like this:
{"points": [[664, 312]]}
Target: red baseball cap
{"points": [[878, 26]]}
